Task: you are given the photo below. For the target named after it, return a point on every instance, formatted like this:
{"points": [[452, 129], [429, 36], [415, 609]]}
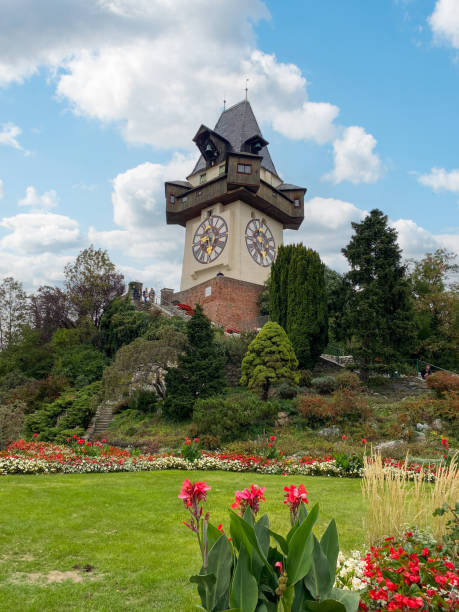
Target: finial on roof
{"points": [[224, 104], [246, 88]]}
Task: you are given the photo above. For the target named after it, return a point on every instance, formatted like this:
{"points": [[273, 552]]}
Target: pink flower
{"points": [[294, 497], [249, 498], [279, 565], [193, 493]]}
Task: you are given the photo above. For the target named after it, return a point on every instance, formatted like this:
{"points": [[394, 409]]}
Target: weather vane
{"points": [[224, 103], [246, 88]]}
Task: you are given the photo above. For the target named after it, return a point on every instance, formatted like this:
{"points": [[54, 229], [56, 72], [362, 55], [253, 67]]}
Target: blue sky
{"points": [[99, 101]]}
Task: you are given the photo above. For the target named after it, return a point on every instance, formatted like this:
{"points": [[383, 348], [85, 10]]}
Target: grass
{"points": [[129, 528]]}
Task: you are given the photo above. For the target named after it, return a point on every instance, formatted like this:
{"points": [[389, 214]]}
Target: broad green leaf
{"points": [[219, 563], [213, 534], [298, 600], [245, 534], [300, 549], [244, 592], [205, 584], [287, 598], [317, 580], [349, 599], [330, 547], [329, 605], [302, 513], [280, 540], [262, 533]]}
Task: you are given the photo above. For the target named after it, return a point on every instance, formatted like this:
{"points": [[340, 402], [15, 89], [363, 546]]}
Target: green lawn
{"points": [[129, 528]]}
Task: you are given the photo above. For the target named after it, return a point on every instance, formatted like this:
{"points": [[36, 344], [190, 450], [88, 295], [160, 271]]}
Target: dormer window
{"points": [[172, 198], [202, 178], [296, 203], [244, 168]]}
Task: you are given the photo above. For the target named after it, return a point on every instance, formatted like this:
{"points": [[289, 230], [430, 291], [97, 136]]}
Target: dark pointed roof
{"points": [[237, 125]]}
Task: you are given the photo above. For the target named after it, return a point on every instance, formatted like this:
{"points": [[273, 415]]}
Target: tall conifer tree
{"points": [[379, 315], [200, 369], [299, 301]]}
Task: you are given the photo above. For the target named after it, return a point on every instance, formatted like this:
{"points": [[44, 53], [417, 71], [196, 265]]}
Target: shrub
{"points": [[442, 382], [286, 391], [323, 384], [305, 378], [82, 361], [378, 381], [348, 380], [315, 409], [233, 417], [34, 393], [143, 401], [349, 406], [11, 422]]}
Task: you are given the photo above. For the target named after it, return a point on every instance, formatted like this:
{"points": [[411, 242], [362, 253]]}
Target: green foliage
{"points": [[13, 311], [33, 393], [27, 354], [92, 282], [305, 378], [121, 324], [233, 417], [270, 360], [143, 401], [240, 575], [451, 537], [379, 314], [71, 411], [286, 391], [264, 298], [82, 364], [298, 301], [351, 465], [337, 292], [200, 369], [436, 308], [235, 347], [324, 384]]}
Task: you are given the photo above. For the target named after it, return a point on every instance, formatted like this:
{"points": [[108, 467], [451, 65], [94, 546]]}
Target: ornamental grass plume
{"points": [[396, 500]]}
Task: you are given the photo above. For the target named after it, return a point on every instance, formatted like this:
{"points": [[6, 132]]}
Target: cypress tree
{"points": [[200, 369], [301, 307], [379, 314]]}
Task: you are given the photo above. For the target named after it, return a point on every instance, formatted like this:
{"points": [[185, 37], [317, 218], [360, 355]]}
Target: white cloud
{"points": [[440, 179], [9, 135], [1, 190], [128, 62], [36, 270], [39, 232], [444, 22], [47, 200], [414, 240], [355, 160]]}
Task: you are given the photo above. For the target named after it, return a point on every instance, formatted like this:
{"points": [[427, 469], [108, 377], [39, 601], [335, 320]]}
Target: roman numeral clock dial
{"points": [[210, 239], [260, 242]]}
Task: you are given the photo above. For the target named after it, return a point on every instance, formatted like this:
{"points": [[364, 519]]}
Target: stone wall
{"points": [[226, 301]]}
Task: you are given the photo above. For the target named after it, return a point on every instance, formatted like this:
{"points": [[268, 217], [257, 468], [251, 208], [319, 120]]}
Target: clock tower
{"points": [[234, 207]]}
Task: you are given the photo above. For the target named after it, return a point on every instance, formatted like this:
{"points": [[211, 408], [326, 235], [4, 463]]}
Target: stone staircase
{"points": [[100, 422]]}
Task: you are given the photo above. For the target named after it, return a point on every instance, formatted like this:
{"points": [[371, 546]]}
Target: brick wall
{"points": [[231, 303]]}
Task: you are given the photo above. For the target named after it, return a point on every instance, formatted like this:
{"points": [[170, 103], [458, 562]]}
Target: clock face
{"points": [[260, 242], [210, 239]]}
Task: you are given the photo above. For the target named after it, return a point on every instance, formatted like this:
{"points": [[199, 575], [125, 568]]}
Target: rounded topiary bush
{"points": [[324, 384]]}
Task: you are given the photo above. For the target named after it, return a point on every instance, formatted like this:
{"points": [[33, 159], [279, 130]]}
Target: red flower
{"points": [[74, 436], [193, 493], [344, 437], [80, 441], [249, 498], [294, 497], [280, 566], [196, 440], [272, 438], [35, 435], [364, 440], [270, 445]]}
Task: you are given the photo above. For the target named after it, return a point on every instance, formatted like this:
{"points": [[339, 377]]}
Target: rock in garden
{"points": [[390, 447], [330, 432]]}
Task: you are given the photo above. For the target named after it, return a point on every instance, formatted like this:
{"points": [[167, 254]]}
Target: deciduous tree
{"points": [[14, 311]]}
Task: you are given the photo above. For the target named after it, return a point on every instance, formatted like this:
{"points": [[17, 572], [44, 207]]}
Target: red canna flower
{"points": [[35, 435], [103, 441], [344, 437], [280, 566], [364, 440], [193, 493], [249, 498], [294, 497], [272, 438], [196, 440], [270, 445]]}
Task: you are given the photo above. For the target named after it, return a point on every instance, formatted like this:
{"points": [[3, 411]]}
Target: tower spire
{"points": [[246, 88]]}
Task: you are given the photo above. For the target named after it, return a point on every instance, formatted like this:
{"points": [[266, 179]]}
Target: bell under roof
{"points": [[237, 124]]}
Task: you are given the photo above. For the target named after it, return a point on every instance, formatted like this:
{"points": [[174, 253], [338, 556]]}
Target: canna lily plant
{"points": [[258, 570]]}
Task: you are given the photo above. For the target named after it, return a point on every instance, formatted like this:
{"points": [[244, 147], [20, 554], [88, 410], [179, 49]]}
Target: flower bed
{"points": [[401, 575], [79, 456]]}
